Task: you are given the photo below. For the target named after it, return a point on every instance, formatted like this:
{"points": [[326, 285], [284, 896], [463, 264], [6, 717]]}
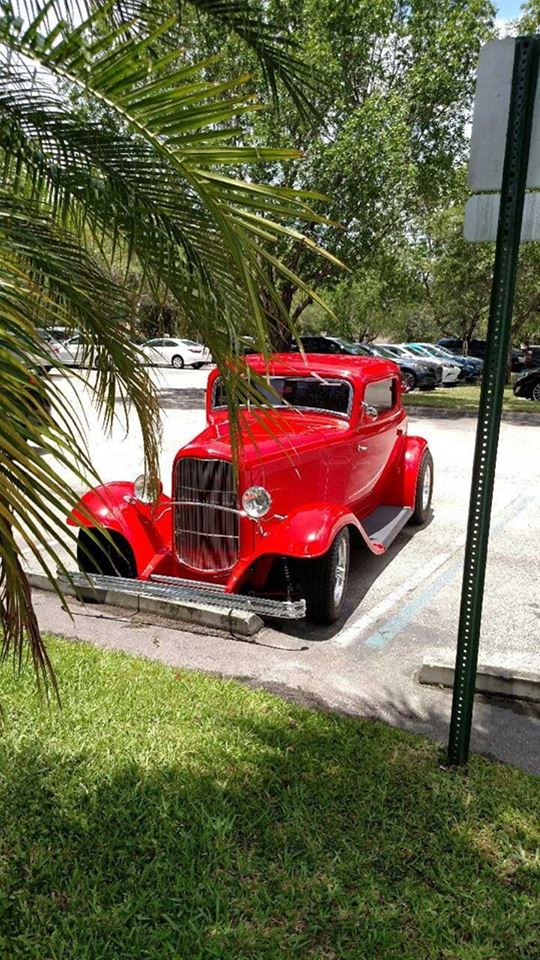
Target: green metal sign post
{"points": [[514, 178]]}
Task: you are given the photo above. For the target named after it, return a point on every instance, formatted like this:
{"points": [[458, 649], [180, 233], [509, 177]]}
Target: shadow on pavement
{"points": [[364, 570]]}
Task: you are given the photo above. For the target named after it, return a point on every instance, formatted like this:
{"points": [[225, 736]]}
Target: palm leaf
{"points": [[148, 179]]}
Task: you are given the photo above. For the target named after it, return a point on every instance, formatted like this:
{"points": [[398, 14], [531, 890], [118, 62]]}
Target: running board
{"points": [[185, 593], [383, 525]]}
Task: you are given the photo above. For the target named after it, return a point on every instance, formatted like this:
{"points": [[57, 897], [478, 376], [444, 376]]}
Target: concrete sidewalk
{"points": [[312, 673]]}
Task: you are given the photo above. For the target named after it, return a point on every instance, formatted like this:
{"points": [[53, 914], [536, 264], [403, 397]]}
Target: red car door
{"points": [[375, 436]]}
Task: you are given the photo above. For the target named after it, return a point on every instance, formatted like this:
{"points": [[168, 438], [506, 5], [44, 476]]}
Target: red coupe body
{"points": [[330, 453]]}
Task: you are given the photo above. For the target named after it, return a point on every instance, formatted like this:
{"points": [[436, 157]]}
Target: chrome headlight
{"points": [[142, 490], [256, 502]]}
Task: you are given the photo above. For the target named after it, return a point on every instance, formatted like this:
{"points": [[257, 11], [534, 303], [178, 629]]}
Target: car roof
{"points": [[348, 367]]}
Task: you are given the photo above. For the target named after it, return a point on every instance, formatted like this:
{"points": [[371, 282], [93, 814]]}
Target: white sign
{"points": [[490, 120], [482, 217]]}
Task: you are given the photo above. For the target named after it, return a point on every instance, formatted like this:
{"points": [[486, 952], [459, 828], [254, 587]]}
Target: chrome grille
{"points": [[206, 519]]}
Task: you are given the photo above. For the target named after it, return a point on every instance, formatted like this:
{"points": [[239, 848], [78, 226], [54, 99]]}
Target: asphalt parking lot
{"points": [[399, 606]]}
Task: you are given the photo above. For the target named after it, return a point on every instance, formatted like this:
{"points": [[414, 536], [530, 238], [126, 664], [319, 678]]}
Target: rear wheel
{"points": [[324, 581], [104, 553], [424, 490], [177, 362], [536, 391], [408, 380]]}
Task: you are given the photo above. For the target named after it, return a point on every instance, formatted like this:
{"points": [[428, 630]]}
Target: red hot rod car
{"points": [[329, 461]]}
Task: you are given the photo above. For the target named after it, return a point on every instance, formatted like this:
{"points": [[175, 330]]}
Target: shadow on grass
{"points": [[290, 835]]}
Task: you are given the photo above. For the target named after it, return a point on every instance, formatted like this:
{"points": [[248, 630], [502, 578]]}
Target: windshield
{"points": [[352, 347], [308, 393], [419, 351], [394, 351], [383, 351]]}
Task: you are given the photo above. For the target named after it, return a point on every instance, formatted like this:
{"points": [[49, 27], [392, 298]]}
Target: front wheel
{"points": [[177, 362], [424, 490], [536, 391], [324, 581], [105, 553]]}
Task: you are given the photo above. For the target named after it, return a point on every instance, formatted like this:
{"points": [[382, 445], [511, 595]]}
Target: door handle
{"points": [[361, 447]]}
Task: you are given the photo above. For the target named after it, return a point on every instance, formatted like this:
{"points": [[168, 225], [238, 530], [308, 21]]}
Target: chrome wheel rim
{"points": [[407, 381], [426, 487], [341, 571]]}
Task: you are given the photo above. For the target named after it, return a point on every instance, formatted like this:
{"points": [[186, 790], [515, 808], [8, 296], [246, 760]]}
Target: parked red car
{"points": [[329, 461]]}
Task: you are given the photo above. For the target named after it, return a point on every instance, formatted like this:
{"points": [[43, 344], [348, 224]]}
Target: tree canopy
{"points": [[390, 90]]}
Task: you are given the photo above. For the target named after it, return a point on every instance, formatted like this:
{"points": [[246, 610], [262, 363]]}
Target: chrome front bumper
{"points": [[189, 591]]}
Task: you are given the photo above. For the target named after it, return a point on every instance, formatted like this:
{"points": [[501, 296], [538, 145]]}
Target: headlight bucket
{"points": [[256, 502], [143, 491]]}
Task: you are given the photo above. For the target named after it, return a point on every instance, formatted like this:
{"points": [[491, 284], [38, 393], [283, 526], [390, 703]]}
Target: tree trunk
{"points": [[278, 327]]}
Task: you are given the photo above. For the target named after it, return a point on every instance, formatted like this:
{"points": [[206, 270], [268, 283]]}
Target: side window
{"points": [[382, 394], [168, 343]]}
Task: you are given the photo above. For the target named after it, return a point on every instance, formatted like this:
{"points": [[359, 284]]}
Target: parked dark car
{"points": [[422, 374], [477, 348], [321, 343], [532, 357], [527, 385]]}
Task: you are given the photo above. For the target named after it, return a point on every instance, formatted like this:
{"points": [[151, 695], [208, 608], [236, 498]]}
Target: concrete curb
{"points": [[516, 683], [236, 621], [442, 413]]}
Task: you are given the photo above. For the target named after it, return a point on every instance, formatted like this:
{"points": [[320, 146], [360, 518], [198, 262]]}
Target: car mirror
{"points": [[371, 412]]}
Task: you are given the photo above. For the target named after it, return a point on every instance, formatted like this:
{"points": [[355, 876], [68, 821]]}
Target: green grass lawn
{"points": [[466, 398], [161, 814]]}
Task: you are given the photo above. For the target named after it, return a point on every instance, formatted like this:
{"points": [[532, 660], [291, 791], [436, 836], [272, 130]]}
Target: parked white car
{"points": [[79, 349], [451, 371], [58, 351], [172, 352]]}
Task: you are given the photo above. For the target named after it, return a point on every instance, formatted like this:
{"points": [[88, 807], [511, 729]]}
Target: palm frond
{"points": [[154, 177]]}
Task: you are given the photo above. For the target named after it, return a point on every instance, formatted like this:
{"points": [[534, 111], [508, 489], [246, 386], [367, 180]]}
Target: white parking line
{"points": [[359, 622]]}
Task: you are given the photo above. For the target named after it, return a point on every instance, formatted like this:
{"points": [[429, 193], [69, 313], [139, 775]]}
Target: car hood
{"points": [[266, 436], [287, 453]]}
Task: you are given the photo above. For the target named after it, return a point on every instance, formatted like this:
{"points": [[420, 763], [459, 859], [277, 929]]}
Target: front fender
{"points": [[306, 533], [310, 530], [146, 527]]}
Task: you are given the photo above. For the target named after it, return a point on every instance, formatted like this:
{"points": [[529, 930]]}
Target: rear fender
{"points": [[146, 527], [400, 489]]}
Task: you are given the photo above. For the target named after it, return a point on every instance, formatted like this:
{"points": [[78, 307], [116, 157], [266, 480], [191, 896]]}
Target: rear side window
{"points": [[382, 395]]}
